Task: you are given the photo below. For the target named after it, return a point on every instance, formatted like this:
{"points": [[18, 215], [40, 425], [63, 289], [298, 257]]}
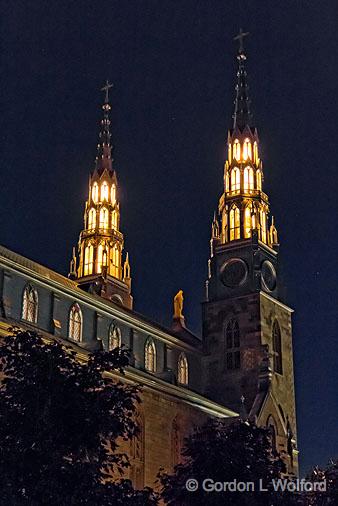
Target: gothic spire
{"points": [[242, 115], [104, 149]]}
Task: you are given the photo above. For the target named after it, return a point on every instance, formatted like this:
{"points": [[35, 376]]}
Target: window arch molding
{"points": [[75, 323], [232, 344], [272, 426], [277, 348], [150, 355], [235, 222], [115, 337], [183, 369], [30, 301]]}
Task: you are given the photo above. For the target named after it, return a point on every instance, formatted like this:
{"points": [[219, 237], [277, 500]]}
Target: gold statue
{"points": [[178, 305]]}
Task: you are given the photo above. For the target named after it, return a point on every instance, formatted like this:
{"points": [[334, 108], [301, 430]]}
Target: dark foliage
{"points": [[61, 417], [224, 453], [330, 475]]}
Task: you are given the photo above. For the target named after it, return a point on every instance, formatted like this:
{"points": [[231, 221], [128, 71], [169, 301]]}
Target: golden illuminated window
{"points": [[104, 191], [30, 305], [99, 259], [235, 232], [88, 260], [247, 152], [114, 219], [255, 150], [91, 219], [248, 179], [263, 225], [113, 194], [247, 222], [95, 193], [259, 180], [235, 179], [229, 153], [104, 218], [150, 355], [114, 337], [115, 258], [237, 150], [183, 372], [75, 323]]}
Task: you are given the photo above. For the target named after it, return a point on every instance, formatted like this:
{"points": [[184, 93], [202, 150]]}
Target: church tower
{"points": [[247, 333], [100, 246]]}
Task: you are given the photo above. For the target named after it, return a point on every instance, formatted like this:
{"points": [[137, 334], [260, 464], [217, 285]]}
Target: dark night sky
{"points": [[173, 66]]}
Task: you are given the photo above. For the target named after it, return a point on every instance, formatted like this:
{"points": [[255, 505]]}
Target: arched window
{"points": [[235, 232], [247, 153], [30, 305], [232, 345], [88, 259], [235, 180], [271, 425], [183, 371], [101, 257], [247, 222], [114, 219], [104, 191], [113, 194], [114, 337], [248, 179], [237, 150], [91, 219], [263, 225], [226, 179], [255, 150], [115, 259], [259, 180], [75, 323], [229, 153], [150, 355], [277, 348], [104, 218], [95, 193]]}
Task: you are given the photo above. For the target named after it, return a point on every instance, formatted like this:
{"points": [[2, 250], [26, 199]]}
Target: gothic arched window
{"points": [[95, 193], [247, 222], [113, 194], [235, 180], [75, 323], [150, 355], [263, 225], [247, 153], [229, 153], [91, 219], [114, 219], [183, 370], [255, 150], [115, 259], [248, 179], [277, 348], [237, 150], [271, 425], [104, 191], [30, 304], [235, 231], [88, 259], [232, 345], [114, 337], [104, 218], [259, 180]]}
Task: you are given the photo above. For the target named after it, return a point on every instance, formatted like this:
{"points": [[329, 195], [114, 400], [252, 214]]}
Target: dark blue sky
{"points": [[173, 67]]}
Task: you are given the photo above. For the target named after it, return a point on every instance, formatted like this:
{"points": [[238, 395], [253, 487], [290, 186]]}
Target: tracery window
{"points": [[259, 180], [95, 193], [235, 179], [113, 194], [115, 258], [183, 370], [248, 179], [104, 218], [104, 191], [91, 219], [247, 152], [114, 337], [255, 150], [75, 323], [88, 259], [237, 150], [247, 222], [232, 345], [114, 219], [150, 355], [277, 348], [30, 304], [263, 225], [235, 232]]}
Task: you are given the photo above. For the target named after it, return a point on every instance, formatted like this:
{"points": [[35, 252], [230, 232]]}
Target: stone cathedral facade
{"points": [[242, 365]]}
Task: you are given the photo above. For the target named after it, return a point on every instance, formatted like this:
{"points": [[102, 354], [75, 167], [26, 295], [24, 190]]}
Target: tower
{"points": [[247, 334], [100, 245]]}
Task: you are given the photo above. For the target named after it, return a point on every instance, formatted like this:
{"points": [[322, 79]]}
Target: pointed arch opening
{"points": [[75, 323], [248, 179], [114, 219], [92, 219], [259, 180], [104, 191], [114, 337], [113, 194], [247, 150], [235, 180], [150, 355], [235, 223], [183, 370], [247, 222], [104, 218], [88, 260], [237, 150], [95, 193], [30, 304], [277, 348]]}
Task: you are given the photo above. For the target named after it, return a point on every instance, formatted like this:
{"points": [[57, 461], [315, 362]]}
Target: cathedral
{"points": [[241, 365]]}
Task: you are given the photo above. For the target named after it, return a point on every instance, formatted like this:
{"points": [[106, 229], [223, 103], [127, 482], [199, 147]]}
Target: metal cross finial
{"points": [[240, 37], [106, 89]]}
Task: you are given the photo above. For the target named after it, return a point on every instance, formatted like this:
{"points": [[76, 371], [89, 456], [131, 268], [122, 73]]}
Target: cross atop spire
{"points": [[106, 88], [240, 38]]}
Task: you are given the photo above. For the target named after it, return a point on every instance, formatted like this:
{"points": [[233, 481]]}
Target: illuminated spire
{"points": [[104, 149], [242, 116]]}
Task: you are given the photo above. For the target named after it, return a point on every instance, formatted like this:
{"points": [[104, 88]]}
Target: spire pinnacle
{"points": [[104, 149], [242, 116]]}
